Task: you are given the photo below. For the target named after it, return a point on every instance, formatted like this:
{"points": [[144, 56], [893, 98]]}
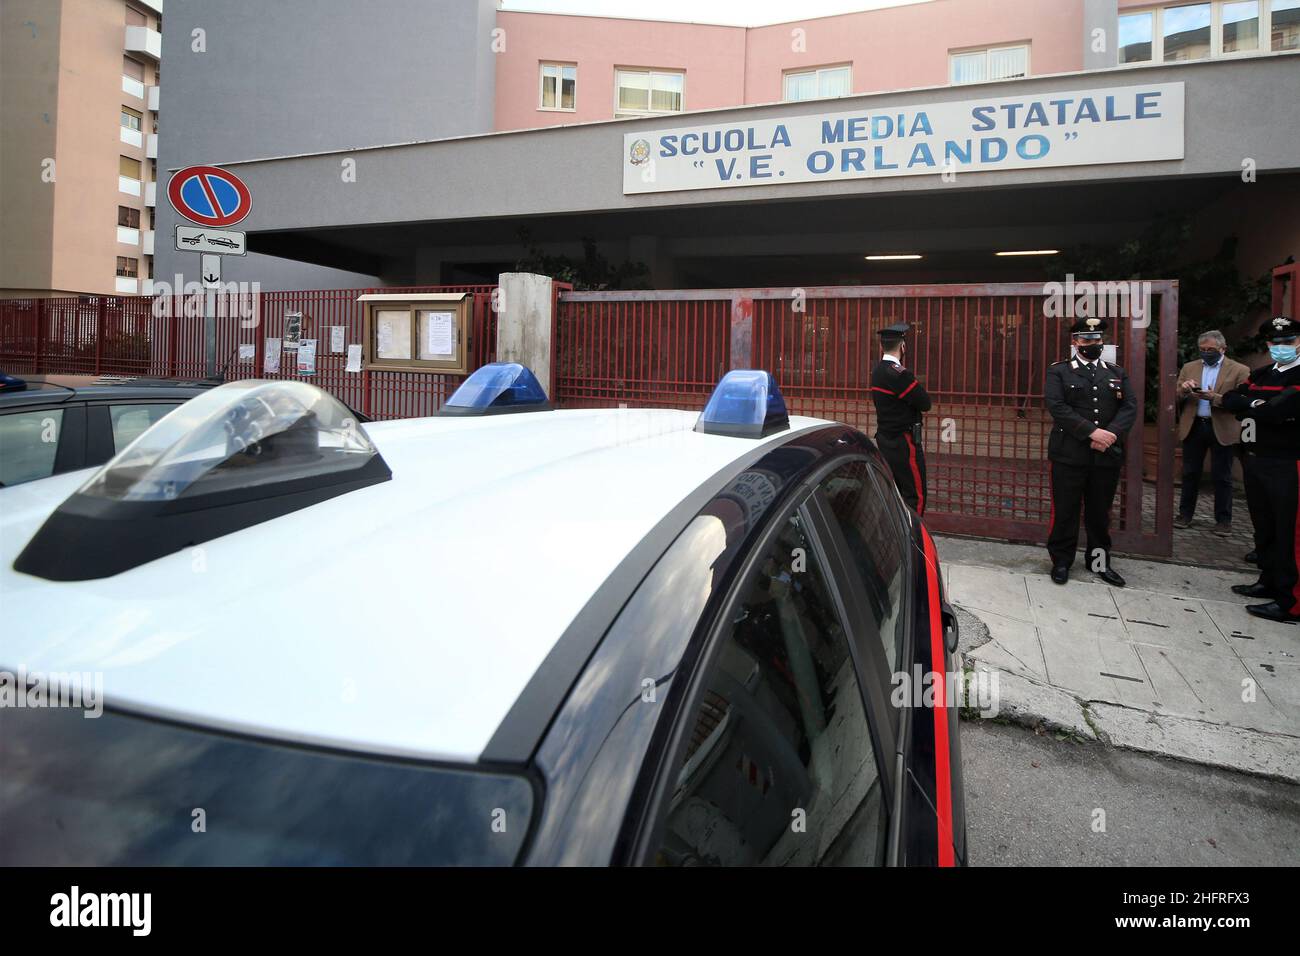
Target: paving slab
{"points": [[990, 589], [1013, 646], [1173, 622], [1252, 636]]}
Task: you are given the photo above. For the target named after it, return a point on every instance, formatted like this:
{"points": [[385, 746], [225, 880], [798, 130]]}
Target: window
{"points": [[559, 86], [876, 540], [29, 442], [128, 268], [136, 18], [645, 92], [1136, 31], [126, 216], [131, 421], [1186, 32], [128, 167], [131, 119], [779, 766], [1240, 27], [1198, 31], [996, 63], [133, 69], [820, 83], [1285, 28]]}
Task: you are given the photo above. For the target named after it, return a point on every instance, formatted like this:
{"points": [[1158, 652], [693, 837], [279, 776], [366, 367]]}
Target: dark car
{"points": [[50, 424]]}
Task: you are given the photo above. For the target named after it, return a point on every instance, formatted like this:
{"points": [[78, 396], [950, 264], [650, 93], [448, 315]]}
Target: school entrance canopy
{"points": [[800, 193]]}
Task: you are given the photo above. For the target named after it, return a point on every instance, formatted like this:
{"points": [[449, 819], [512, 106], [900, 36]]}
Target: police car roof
{"points": [[402, 618]]}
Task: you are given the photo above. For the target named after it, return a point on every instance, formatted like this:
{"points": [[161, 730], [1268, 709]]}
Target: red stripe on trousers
{"points": [[916, 474], [942, 751]]}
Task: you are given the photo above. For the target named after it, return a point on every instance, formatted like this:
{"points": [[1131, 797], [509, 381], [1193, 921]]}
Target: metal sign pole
{"points": [[210, 273]]}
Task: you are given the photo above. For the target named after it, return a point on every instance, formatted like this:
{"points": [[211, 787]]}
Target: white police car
{"points": [[506, 634]]}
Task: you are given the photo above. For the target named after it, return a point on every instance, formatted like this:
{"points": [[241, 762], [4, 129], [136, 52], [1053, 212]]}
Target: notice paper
{"points": [[271, 360], [354, 357], [307, 357], [440, 328], [336, 339], [247, 351]]}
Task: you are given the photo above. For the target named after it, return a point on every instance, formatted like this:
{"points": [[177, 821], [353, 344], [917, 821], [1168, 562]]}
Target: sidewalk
{"points": [[1166, 665]]}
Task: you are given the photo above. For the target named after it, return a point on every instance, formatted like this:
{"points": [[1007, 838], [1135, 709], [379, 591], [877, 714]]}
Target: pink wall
{"points": [[900, 48], [711, 56], [890, 49]]}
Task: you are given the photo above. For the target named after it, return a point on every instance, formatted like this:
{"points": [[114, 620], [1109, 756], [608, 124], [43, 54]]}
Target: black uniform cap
{"points": [[891, 334], [1089, 326], [1279, 328]]}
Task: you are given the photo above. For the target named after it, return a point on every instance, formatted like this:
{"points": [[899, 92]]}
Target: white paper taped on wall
{"points": [[354, 357], [336, 339], [307, 357], [271, 360], [441, 325], [247, 351]]}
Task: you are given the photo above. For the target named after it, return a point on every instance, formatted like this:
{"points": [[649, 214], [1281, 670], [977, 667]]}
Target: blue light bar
{"points": [[11, 383], [497, 389], [745, 404]]}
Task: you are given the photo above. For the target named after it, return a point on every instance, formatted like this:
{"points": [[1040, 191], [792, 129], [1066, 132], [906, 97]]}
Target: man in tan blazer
{"points": [[1203, 425]]}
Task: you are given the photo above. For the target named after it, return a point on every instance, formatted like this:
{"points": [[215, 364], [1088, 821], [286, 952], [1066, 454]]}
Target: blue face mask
{"points": [[1211, 358], [1282, 354]]}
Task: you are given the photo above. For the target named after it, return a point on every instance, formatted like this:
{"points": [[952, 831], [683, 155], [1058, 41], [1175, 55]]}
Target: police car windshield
{"points": [[120, 790], [239, 435]]}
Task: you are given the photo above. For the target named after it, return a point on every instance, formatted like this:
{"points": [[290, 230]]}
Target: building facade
{"points": [[79, 87]]}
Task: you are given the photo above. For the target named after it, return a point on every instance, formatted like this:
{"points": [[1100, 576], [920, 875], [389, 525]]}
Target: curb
{"points": [[1031, 704]]}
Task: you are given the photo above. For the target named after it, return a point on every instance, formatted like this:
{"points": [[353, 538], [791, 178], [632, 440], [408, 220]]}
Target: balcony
{"points": [[132, 87], [151, 146], [132, 137], [128, 235], [146, 286], [154, 5], [148, 242], [151, 195], [153, 98], [125, 184], [144, 41], [125, 285]]}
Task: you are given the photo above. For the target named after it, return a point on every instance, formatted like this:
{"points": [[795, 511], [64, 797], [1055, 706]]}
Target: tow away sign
{"points": [[220, 242]]}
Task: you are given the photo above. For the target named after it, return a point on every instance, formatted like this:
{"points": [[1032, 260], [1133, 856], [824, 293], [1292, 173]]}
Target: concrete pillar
{"points": [[525, 323], [1100, 15]]}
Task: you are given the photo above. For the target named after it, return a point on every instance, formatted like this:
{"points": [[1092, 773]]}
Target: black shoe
{"points": [[1060, 575], [1272, 611], [1251, 590], [1182, 521], [1252, 557], [1111, 578]]}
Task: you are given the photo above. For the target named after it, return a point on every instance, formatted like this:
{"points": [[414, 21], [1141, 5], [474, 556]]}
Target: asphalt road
{"points": [[1032, 800]]}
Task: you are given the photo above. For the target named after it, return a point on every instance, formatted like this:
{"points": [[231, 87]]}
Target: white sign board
{"points": [[210, 271], [1126, 124], [217, 242]]}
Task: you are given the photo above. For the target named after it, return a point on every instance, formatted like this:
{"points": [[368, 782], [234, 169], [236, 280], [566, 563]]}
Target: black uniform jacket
{"points": [[899, 398], [1277, 421], [1080, 405]]}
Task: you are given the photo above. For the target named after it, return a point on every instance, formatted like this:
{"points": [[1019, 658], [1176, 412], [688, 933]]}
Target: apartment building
{"points": [[555, 70], [79, 86]]}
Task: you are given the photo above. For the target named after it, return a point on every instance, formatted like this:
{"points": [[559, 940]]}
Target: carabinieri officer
{"points": [[900, 399], [1092, 407], [1268, 405]]}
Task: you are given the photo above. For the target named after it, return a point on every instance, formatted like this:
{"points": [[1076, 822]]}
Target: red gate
{"points": [[981, 350]]}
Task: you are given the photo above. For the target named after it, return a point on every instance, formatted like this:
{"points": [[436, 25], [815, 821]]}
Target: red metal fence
{"points": [[981, 350], [163, 336]]}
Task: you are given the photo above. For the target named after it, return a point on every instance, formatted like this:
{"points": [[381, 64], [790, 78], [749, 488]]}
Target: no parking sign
{"points": [[209, 196]]}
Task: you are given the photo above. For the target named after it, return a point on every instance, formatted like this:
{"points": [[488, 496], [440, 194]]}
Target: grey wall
{"points": [[299, 76], [1100, 15]]}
